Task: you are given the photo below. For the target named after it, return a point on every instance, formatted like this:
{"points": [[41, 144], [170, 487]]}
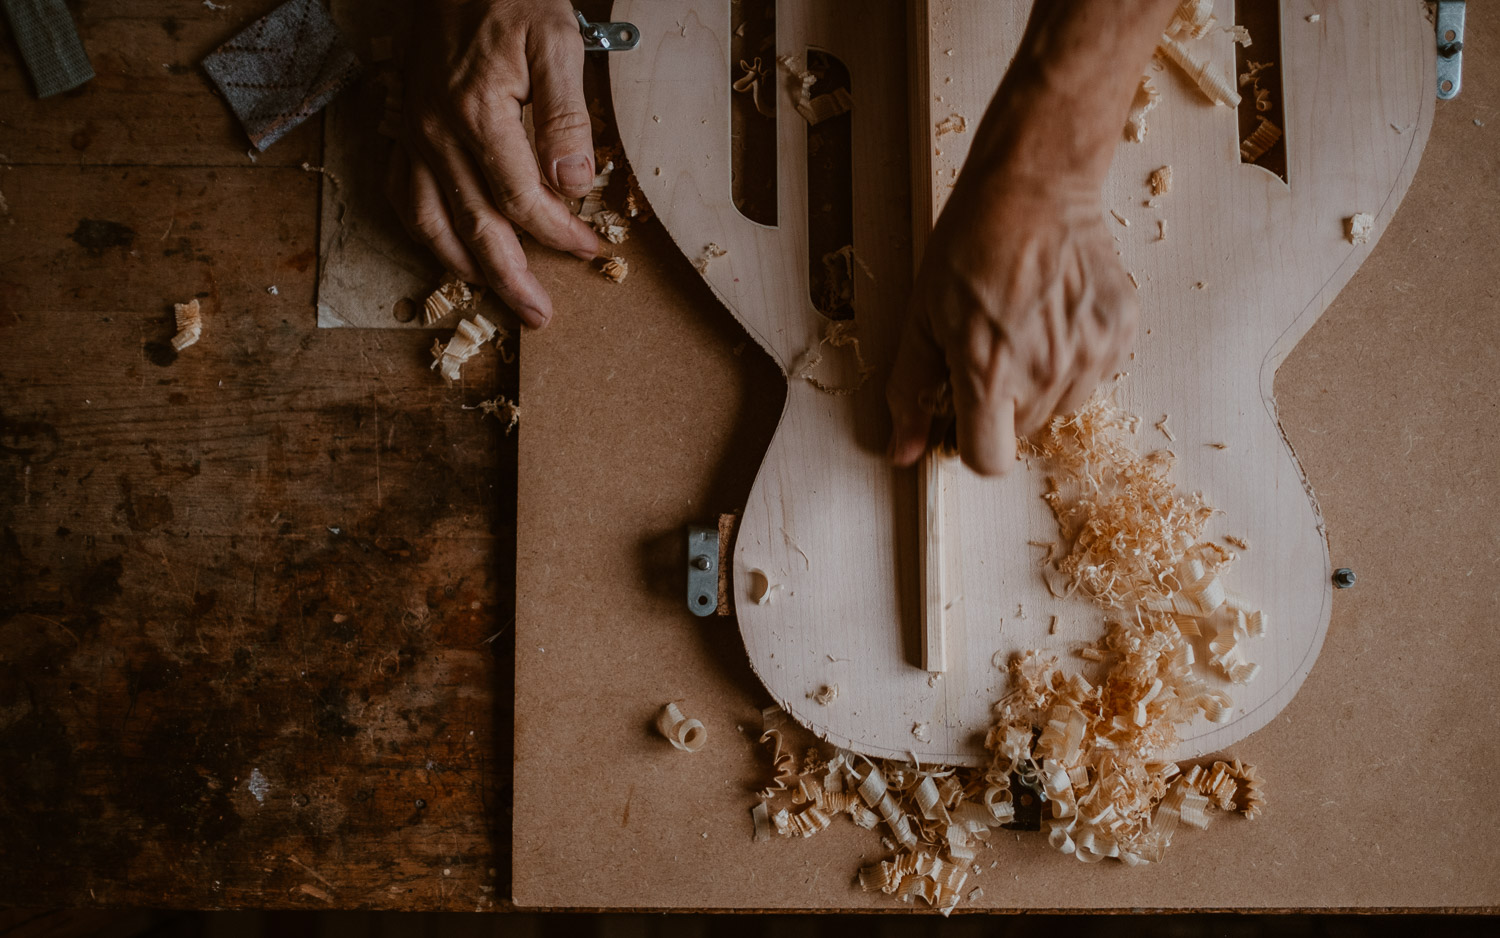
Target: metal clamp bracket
{"points": [[703, 570], [1450, 48], [607, 37]]}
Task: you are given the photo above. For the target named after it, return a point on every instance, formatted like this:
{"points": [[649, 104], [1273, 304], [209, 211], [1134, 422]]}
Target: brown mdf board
{"points": [[641, 417], [1249, 262]]}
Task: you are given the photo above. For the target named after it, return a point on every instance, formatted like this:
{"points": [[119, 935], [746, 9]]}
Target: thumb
{"points": [[564, 137], [913, 388]]}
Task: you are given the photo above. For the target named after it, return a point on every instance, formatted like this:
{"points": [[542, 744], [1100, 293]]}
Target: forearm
{"points": [[1060, 110]]}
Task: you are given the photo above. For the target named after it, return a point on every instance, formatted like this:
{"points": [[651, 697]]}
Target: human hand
{"points": [[465, 170], [1021, 304]]}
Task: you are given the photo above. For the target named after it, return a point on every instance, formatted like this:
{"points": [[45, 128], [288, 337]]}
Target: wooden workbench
{"points": [[250, 594]]}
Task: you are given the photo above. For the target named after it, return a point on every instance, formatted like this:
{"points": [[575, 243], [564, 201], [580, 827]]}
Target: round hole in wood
{"points": [[405, 309]]}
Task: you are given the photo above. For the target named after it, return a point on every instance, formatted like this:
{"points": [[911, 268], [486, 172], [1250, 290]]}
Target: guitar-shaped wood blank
{"points": [[1248, 264]]}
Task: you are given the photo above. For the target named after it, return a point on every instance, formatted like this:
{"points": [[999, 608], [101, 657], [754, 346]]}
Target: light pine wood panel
{"points": [[1248, 264]]}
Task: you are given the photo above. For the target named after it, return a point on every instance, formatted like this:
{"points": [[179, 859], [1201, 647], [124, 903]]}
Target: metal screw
{"points": [[1343, 578], [421, 803], [701, 562]]}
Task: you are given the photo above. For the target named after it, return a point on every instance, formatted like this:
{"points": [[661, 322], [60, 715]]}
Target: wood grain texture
{"points": [[1249, 265], [1377, 769], [245, 590]]}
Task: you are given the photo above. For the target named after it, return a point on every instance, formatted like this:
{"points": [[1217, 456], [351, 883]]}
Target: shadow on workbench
{"points": [[127, 924]]}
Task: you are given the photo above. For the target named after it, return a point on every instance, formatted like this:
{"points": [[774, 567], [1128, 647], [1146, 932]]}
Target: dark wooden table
{"points": [[254, 597]]}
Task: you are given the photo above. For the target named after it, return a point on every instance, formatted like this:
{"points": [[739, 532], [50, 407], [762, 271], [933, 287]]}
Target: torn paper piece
{"points": [[683, 733], [467, 342], [189, 324], [1357, 227]]}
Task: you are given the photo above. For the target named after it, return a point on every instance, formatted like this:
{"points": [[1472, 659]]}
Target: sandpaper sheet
{"points": [[646, 409]]}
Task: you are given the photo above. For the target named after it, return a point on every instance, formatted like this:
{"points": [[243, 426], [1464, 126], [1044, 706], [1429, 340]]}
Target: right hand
{"points": [[464, 170]]}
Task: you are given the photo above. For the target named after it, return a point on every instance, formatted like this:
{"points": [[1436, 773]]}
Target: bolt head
{"points": [[1343, 578], [702, 563]]}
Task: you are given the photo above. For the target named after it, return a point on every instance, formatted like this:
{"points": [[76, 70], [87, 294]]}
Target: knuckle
{"points": [[473, 225], [520, 204], [429, 224]]}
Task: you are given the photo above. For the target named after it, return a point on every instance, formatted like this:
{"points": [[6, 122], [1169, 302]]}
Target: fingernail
{"points": [[587, 254], [574, 172], [532, 316]]}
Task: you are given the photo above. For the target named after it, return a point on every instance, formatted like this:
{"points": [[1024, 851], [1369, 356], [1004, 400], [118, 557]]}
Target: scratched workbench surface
{"points": [[248, 591]]}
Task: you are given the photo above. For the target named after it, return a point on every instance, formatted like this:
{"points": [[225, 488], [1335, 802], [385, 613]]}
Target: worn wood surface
{"points": [[247, 591]]}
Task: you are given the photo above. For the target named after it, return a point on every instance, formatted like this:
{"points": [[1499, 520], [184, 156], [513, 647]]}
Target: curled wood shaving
{"points": [[614, 268], [836, 334], [1160, 180], [189, 317], [1358, 226], [593, 203], [826, 694], [682, 732], [1147, 97], [952, 124], [1252, 800], [753, 75], [821, 108], [502, 409], [710, 253], [612, 226], [1239, 542], [636, 206], [1214, 84], [467, 342], [1241, 35], [452, 295], [1261, 139]]}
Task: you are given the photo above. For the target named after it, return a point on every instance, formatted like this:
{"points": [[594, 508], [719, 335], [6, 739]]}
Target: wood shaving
{"points": [[636, 206], [1314, 17], [502, 409], [451, 296], [1120, 218], [1160, 180], [1261, 140], [821, 108], [189, 317], [1217, 445], [1166, 431], [1214, 84], [952, 124], [1252, 76], [1161, 229], [1133, 281], [1239, 542], [683, 733], [1147, 97], [753, 76], [836, 334], [921, 732], [1192, 20], [468, 340], [1093, 750], [826, 694], [1357, 227], [710, 253], [615, 268], [1262, 99], [1241, 35], [611, 226]]}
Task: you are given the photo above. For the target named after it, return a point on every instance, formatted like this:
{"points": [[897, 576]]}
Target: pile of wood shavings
{"points": [[1096, 752]]}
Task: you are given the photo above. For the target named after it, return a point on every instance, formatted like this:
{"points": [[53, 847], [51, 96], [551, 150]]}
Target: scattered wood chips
{"points": [[1357, 227], [1095, 749], [189, 324], [683, 733], [467, 342], [452, 295]]}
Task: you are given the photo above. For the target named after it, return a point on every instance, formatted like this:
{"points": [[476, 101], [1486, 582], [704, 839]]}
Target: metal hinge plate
{"points": [[607, 37], [1450, 48]]}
